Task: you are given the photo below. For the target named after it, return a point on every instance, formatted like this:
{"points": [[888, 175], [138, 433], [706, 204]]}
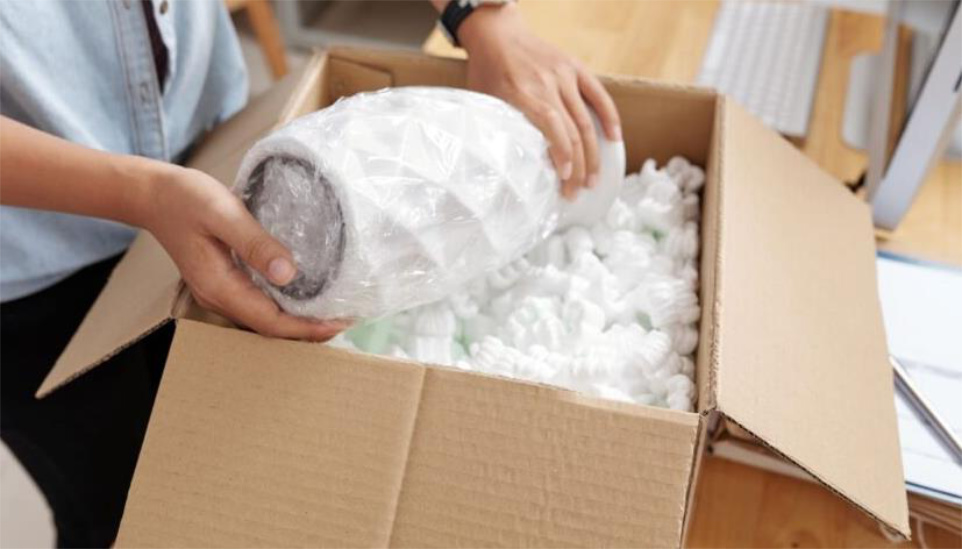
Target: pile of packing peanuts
{"points": [[609, 310]]}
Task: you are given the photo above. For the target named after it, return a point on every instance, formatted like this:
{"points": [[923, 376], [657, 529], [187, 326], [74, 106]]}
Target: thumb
{"points": [[258, 249]]}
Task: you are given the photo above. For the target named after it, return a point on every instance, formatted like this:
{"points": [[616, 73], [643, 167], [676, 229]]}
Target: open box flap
{"points": [[265, 442], [404, 68], [137, 299], [799, 357], [143, 289]]}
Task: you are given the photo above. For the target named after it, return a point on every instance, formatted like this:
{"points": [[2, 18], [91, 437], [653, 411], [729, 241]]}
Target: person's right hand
{"points": [[199, 221], [554, 90]]}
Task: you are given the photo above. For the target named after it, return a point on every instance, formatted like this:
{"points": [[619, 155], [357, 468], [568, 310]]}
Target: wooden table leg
{"points": [[262, 20]]}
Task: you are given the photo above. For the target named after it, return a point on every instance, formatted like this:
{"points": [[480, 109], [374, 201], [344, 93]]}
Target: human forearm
{"points": [[38, 170], [482, 18], [196, 219], [555, 91]]}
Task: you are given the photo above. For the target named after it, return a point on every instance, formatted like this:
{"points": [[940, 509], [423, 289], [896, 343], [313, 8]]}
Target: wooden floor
{"points": [[736, 505]]}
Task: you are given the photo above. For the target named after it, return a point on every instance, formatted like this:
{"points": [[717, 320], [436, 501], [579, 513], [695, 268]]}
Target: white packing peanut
{"points": [[609, 310], [684, 339], [578, 242], [436, 320], [691, 207]]}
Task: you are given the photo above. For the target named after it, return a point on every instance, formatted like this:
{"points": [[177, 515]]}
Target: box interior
{"points": [[684, 125], [651, 480]]}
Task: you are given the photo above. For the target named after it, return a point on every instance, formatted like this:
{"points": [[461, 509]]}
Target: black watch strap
{"points": [[453, 15]]}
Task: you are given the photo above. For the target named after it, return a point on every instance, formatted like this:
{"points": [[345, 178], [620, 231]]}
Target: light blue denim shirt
{"points": [[84, 71]]}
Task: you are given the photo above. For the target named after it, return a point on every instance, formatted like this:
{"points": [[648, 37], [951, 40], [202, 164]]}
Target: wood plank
{"points": [[652, 38], [741, 506], [260, 14], [932, 229], [665, 40], [234, 5]]}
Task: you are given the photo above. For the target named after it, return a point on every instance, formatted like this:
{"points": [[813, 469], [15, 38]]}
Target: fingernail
{"points": [[616, 133], [566, 170], [592, 181], [280, 271], [330, 329], [337, 325]]}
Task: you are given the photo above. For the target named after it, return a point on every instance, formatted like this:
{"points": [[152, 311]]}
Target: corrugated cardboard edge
{"points": [[207, 393], [48, 387], [701, 444], [709, 292], [309, 84], [718, 259], [890, 528], [395, 506], [711, 256], [402, 65], [145, 265]]}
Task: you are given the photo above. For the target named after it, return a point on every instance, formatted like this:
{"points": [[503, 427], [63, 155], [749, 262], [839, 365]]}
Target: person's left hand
{"points": [[552, 89]]}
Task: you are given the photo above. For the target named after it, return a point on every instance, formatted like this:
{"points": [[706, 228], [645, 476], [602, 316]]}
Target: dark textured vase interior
{"points": [[321, 215]]}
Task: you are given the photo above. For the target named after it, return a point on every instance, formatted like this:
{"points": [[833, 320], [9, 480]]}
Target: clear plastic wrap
{"points": [[609, 309], [395, 198]]}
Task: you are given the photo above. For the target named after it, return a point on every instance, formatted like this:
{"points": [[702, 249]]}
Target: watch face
{"points": [[457, 11]]}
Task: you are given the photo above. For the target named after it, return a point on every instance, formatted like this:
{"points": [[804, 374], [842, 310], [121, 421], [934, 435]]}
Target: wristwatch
{"points": [[457, 11]]}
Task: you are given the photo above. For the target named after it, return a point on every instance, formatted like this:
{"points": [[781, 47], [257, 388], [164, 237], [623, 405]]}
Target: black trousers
{"points": [[80, 443]]}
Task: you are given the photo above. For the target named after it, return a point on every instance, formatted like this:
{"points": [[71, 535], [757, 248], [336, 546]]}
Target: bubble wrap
{"points": [[395, 198]]}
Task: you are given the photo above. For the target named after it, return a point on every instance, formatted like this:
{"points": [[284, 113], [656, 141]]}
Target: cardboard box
{"points": [[265, 442]]}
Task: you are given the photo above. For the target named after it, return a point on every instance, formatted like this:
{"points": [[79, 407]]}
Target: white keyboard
{"points": [[767, 55]]}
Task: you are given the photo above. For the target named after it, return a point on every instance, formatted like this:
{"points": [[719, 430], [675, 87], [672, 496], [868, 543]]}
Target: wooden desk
{"points": [[666, 40], [739, 506]]}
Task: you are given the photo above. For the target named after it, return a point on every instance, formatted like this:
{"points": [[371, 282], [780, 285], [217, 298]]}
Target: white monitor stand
{"points": [[893, 183]]}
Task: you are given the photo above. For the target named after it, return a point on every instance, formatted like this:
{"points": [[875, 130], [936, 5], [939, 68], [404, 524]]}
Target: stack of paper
{"points": [[922, 307]]}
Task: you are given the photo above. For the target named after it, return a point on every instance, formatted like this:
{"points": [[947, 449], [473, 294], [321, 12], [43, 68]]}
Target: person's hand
{"points": [[199, 222], [553, 90], [195, 218]]}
